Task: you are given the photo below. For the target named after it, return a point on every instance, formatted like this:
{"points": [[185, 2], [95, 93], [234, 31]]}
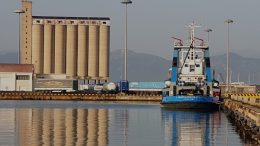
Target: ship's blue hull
{"points": [[190, 102]]}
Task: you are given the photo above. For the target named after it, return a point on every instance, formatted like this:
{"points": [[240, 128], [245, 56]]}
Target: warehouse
{"points": [[16, 77]]}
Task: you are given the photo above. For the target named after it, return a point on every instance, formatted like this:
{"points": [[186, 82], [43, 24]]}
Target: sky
{"points": [[152, 23]]}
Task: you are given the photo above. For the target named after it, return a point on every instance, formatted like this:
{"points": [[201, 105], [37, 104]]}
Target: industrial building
{"points": [[75, 46], [16, 77]]}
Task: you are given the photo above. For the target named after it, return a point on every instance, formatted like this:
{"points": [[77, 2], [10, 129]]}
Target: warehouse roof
{"points": [[16, 68]]}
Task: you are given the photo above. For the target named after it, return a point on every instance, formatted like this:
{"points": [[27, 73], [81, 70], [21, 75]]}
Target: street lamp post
{"points": [[208, 31], [126, 2], [19, 12], [227, 77]]}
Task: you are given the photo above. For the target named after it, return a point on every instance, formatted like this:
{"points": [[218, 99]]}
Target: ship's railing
{"points": [[187, 44]]}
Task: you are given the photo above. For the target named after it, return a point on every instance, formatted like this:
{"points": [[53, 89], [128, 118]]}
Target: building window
{"points": [[104, 22], [22, 77]]}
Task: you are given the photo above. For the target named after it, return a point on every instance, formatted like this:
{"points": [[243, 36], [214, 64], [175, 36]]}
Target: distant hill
{"points": [[147, 67], [141, 67], [241, 68], [8, 57]]}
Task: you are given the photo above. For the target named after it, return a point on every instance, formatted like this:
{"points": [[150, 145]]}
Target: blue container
{"points": [[149, 86], [124, 86]]}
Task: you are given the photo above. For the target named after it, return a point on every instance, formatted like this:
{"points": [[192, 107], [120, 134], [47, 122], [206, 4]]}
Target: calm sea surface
{"points": [[61, 123]]}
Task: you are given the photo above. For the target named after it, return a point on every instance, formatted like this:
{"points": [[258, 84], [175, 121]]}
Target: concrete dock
{"points": [[244, 110], [77, 96]]}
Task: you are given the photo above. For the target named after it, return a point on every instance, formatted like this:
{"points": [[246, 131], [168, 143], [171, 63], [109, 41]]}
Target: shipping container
{"points": [[51, 85], [146, 86]]}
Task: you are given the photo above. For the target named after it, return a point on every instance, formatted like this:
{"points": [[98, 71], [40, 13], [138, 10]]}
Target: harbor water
{"points": [[77, 123]]}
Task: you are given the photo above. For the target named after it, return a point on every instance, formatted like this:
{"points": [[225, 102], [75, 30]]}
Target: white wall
{"points": [[7, 81]]}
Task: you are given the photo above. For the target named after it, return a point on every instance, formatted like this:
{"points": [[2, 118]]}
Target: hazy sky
{"points": [[152, 22]]}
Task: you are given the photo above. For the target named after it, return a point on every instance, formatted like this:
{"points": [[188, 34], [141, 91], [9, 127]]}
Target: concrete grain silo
{"points": [[82, 50], [75, 47], [104, 51], [60, 47], [71, 52], [37, 46], [93, 51], [48, 46], [26, 34]]}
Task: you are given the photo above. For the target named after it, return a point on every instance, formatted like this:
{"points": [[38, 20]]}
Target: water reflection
{"points": [[190, 128], [59, 127], [111, 124]]}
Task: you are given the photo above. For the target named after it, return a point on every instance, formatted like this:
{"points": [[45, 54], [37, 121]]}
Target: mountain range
{"points": [[147, 67]]}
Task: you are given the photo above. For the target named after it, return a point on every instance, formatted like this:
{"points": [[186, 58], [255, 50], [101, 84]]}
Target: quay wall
{"points": [[76, 96], [245, 114]]}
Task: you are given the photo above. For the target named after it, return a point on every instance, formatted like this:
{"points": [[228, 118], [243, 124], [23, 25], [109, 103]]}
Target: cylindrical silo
{"points": [[104, 52], [60, 45], [71, 63], [82, 51], [48, 37], [37, 48], [93, 52]]}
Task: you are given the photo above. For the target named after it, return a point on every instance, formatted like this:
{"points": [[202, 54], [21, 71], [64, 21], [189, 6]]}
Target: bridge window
{"points": [[192, 68]]}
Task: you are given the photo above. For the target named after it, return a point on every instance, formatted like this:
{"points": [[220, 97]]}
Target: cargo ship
{"points": [[191, 83]]}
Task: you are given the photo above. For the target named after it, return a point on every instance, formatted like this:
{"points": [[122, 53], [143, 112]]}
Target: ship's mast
{"points": [[192, 27]]}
